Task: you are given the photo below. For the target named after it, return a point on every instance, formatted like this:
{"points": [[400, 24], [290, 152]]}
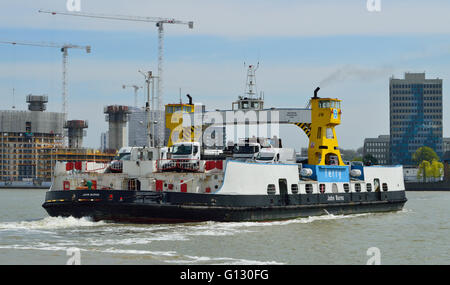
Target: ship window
{"points": [[271, 189], [369, 187], [329, 133], [358, 187], [322, 188], [319, 132], [385, 187], [308, 188], [346, 187], [324, 104], [294, 188]]}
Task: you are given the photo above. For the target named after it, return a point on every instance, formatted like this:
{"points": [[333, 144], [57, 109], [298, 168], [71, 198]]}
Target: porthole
{"points": [[308, 188], [346, 188], [271, 189], [294, 188]]}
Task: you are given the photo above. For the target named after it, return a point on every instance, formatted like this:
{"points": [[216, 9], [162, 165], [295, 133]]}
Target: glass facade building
{"points": [[415, 116]]}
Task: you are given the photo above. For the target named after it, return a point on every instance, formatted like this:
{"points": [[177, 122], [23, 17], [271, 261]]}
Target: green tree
{"points": [[437, 169], [424, 170], [424, 153], [428, 170]]}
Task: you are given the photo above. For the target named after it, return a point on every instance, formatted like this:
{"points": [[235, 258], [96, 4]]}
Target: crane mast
{"points": [[64, 49], [136, 89], [64, 79], [160, 22]]}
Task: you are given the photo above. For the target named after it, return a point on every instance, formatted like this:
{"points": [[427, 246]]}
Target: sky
{"points": [[344, 47]]}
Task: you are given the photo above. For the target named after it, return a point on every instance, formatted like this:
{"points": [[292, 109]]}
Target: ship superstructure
{"points": [[187, 182]]}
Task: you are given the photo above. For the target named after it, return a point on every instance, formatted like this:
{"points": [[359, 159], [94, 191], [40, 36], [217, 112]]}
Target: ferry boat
{"points": [[184, 187]]}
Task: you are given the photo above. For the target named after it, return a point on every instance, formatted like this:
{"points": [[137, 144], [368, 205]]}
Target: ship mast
{"points": [[251, 91], [251, 100]]}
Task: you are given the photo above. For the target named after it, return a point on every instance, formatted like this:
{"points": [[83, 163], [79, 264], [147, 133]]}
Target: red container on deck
{"points": [[159, 185], [219, 164], [183, 187], [210, 164], [69, 166]]}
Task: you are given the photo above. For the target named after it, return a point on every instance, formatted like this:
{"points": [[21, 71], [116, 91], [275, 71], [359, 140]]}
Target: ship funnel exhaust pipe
{"points": [[315, 92], [190, 99]]}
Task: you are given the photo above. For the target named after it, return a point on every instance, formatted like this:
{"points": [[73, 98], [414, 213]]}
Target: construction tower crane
{"points": [[160, 22], [136, 89], [64, 49]]}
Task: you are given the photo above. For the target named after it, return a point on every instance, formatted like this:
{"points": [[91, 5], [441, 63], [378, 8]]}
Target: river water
{"points": [[419, 234]]}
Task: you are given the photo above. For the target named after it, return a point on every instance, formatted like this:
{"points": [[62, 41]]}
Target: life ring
{"points": [[66, 185]]}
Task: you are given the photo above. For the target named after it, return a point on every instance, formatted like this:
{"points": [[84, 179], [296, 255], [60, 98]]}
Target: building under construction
{"points": [[32, 141]]}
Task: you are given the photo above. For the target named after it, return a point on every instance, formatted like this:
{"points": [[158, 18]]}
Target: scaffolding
{"points": [[31, 142], [33, 157]]}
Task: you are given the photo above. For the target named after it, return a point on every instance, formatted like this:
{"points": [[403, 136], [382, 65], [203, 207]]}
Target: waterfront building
{"points": [[28, 139], [415, 105], [378, 148], [32, 141]]}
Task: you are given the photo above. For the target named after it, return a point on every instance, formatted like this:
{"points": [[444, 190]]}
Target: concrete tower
{"points": [[37, 102], [117, 117], [75, 132]]}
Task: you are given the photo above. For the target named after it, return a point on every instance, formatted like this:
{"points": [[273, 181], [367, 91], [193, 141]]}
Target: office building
{"points": [[415, 116], [378, 148]]}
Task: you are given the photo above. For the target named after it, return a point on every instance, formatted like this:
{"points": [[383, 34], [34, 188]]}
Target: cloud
{"points": [[236, 18]]}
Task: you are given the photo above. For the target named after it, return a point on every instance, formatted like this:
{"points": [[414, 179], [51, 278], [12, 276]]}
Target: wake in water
{"points": [[289, 222], [50, 223], [206, 228]]}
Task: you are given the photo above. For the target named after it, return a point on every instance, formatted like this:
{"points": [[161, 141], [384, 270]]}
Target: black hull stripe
{"points": [[162, 207]]}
